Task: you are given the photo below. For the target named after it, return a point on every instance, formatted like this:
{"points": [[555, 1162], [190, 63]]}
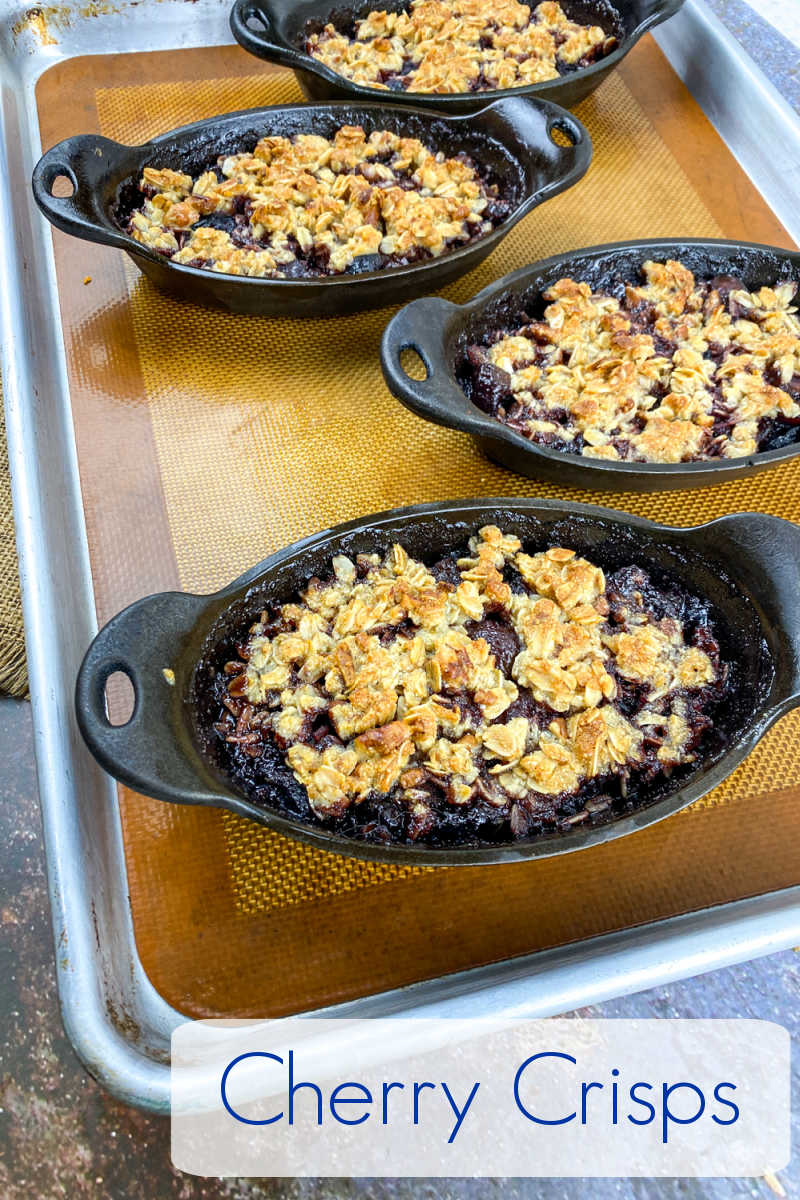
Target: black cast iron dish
{"points": [[276, 31], [747, 565], [511, 140], [439, 333]]}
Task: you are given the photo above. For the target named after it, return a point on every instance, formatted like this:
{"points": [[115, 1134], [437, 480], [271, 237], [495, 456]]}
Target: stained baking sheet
{"points": [[167, 515]]}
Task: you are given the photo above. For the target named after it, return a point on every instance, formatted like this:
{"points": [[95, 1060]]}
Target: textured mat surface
{"points": [[226, 437]]}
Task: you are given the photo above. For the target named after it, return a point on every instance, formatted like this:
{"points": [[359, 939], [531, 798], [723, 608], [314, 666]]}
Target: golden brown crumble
{"points": [[460, 46], [389, 678], [672, 370], [313, 205]]}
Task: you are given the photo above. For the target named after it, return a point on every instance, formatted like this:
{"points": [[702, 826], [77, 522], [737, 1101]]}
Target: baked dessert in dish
{"points": [[498, 693], [672, 369], [309, 206], [450, 46]]}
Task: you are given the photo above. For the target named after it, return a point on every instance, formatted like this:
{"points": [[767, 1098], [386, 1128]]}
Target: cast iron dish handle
{"points": [[573, 160], [85, 161], [535, 122], [420, 325], [141, 642], [261, 44]]}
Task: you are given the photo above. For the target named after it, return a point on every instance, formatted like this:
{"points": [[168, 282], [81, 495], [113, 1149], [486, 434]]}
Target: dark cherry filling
{"points": [[253, 756], [313, 262], [490, 388], [401, 80], [501, 638]]}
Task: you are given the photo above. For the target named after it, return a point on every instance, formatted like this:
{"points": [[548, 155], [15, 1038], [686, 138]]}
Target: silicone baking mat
{"points": [[206, 440]]}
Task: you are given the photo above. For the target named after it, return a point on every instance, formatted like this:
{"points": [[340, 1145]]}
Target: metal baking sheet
{"points": [[118, 1023]]}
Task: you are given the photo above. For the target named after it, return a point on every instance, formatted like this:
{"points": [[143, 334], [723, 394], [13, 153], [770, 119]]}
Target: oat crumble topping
{"points": [[674, 369], [500, 689], [460, 46], [310, 205]]}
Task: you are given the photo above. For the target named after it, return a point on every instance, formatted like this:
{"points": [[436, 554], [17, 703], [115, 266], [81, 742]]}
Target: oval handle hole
{"points": [[561, 134], [256, 23], [413, 364], [120, 698], [62, 187]]}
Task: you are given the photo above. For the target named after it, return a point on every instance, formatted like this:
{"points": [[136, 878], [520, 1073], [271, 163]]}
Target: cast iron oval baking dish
{"points": [[282, 33], [747, 565], [511, 139], [440, 331]]}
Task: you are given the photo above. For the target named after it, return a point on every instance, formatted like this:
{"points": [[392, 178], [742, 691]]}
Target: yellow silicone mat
{"points": [[206, 440]]}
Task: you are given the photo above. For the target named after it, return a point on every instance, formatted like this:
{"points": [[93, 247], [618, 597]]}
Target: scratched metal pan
{"points": [[276, 30], [512, 140], [439, 332], [747, 566], [115, 1018]]}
